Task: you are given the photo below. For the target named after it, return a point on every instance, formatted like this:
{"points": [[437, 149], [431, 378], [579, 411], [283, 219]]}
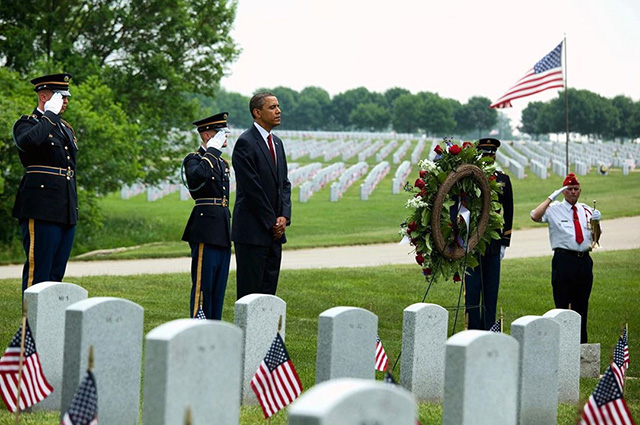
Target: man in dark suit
{"points": [[262, 208], [482, 282], [208, 229], [46, 205]]}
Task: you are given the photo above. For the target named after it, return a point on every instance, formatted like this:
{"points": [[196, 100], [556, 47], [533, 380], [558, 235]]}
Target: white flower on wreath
{"points": [[416, 202], [427, 165]]}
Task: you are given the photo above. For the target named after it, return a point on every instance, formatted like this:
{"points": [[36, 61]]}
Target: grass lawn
{"points": [[387, 291]]}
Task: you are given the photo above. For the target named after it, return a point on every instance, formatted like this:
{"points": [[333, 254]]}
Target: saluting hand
{"points": [[54, 104], [555, 194], [218, 141], [596, 215]]}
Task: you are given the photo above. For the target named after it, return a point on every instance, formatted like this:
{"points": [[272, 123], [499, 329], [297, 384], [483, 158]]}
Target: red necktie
{"points": [[576, 225], [271, 149]]}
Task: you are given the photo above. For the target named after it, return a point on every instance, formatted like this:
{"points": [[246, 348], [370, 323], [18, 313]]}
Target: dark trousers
{"points": [[209, 273], [47, 247], [572, 279], [482, 284], [258, 268]]}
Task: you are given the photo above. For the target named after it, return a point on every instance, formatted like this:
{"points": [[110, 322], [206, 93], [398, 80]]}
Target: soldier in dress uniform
{"points": [[208, 230], [46, 205], [482, 282]]}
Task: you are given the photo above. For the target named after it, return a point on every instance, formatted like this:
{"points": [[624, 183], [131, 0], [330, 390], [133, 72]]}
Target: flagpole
{"points": [[21, 361], [566, 103]]}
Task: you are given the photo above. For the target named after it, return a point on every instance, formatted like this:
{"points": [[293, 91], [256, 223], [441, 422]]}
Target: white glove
{"points": [[503, 249], [555, 194], [218, 141], [54, 104], [596, 215]]}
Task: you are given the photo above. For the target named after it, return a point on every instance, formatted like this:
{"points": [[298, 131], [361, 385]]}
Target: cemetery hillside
{"points": [[348, 188]]}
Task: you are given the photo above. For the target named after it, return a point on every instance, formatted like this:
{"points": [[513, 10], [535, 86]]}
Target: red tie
{"points": [[271, 149], [576, 225]]}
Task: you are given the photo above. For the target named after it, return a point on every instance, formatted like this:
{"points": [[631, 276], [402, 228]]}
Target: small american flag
{"points": [[200, 314], [381, 356], [606, 406], [621, 359], [496, 326], [546, 74], [83, 409], [276, 382], [34, 385], [625, 349]]}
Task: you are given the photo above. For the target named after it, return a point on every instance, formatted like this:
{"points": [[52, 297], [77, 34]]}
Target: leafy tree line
{"points": [[590, 114], [362, 110]]}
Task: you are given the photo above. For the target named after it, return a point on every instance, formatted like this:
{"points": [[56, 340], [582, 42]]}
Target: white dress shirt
{"points": [[562, 233], [264, 133]]}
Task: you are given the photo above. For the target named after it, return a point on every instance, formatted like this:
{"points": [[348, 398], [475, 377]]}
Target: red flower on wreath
{"points": [[419, 183], [467, 145], [423, 174], [493, 177], [454, 150], [426, 271], [413, 226], [438, 150], [456, 277], [419, 258]]}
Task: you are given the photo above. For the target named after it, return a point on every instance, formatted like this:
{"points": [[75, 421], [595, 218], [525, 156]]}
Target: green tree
{"points": [[624, 105], [405, 113], [312, 108], [392, 94], [476, 115], [529, 118], [370, 117], [343, 104]]}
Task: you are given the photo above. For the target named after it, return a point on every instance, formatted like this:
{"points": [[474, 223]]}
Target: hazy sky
{"points": [[457, 48]]}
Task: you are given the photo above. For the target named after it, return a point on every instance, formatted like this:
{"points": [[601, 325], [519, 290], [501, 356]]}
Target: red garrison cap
{"points": [[570, 180]]}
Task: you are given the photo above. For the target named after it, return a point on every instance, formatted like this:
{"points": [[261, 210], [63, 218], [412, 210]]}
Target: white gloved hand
{"points": [[555, 194], [218, 141], [54, 104], [503, 249], [596, 215]]}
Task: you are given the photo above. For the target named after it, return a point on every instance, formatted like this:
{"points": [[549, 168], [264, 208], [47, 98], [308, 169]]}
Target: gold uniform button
{"points": [[68, 157], [201, 214], [68, 178], [52, 144], [66, 148], [41, 186], [50, 135]]}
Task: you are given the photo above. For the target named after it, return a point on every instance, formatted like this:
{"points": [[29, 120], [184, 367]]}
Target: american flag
{"points": [[621, 359], [381, 356], [83, 409], [606, 406], [34, 386], [496, 326], [546, 74], [200, 314], [276, 382]]}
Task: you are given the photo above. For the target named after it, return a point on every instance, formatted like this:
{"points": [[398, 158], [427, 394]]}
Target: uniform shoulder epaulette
{"points": [[68, 125]]}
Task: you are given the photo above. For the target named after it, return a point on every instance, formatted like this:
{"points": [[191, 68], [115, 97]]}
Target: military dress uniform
{"points": [[46, 204], [483, 281], [208, 229]]}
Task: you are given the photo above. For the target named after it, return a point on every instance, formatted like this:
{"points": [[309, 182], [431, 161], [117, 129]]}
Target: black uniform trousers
{"points": [[209, 271], [47, 246], [482, 284], [572, 279], [258, 268]]}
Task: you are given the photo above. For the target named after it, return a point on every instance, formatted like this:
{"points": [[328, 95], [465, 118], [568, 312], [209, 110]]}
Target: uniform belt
{"points": [[56, 171], [220, 202], [574, 253]]}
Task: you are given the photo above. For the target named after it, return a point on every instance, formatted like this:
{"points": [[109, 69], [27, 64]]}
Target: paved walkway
{"points": [[618, 234]]}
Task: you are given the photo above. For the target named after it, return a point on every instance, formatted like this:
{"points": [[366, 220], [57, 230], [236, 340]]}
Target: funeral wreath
{"points": [[453, 208]]}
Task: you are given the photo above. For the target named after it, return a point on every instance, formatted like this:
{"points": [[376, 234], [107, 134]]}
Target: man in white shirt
{"points": [[570, 237]]}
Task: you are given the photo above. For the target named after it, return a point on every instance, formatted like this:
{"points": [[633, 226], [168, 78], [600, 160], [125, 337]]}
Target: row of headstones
{"points": [[376, 174], [539, 169], [480, 377], [416, 154], [401, 152], [386, 150], [400, 177], [304, 173], [513, 166], [319, 179], [369, 150], [347, 179]]}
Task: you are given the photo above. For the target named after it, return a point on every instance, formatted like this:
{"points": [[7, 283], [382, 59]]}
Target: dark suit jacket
{"points": [[506, 200], [263, 191], [46, 140], [208, 177]]}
